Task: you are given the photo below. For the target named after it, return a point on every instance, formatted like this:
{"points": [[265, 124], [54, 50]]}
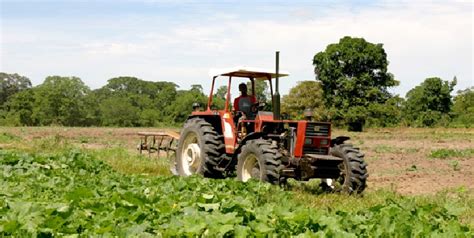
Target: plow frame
{"points": [[156, 142]]}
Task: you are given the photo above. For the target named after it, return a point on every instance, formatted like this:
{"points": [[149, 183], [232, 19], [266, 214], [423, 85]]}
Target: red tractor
{"points": [[264, 146]]}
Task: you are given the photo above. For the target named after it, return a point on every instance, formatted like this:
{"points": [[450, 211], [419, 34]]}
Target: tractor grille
{"points": [[317, 129], [315, 150]]}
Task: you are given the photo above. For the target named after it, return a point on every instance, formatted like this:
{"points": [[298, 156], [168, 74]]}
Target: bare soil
{"points": [[398, 158]]}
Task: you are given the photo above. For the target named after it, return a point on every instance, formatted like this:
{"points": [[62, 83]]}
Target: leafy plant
{"points": [[75, 194], [412, 168], [455, 165]]}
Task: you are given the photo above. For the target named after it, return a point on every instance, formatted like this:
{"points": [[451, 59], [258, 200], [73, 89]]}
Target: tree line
{"points": [[351, 89], [429, 104], [67, 101], [355, 86]]}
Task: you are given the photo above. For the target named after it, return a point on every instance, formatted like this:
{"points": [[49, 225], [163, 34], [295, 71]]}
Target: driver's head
{"points": [[243, 89]]}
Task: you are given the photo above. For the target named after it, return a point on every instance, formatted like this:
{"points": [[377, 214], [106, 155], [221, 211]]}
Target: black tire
{"points": [[353, 169], [263, 157], [208, 145]]}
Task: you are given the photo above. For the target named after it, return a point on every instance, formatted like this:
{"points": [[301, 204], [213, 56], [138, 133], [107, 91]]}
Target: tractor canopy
{"points": [[247, 72], [250, 73]]}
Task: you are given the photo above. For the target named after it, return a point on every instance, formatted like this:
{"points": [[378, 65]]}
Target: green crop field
{"points": [[79, 182]]}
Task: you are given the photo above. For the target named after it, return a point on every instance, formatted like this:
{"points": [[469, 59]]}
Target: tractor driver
{"points": [[244, 102]]}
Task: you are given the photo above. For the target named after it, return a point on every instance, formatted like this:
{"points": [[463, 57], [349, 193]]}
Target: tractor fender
{"points": [[339, 140], [214, 120], [250, 136]]}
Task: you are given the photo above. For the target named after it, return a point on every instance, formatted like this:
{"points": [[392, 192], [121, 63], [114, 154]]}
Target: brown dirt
{"points": [[398, 158]]}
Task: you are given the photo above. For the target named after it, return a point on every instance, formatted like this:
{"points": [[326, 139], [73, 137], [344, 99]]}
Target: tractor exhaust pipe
{"points": [[276, 96]]}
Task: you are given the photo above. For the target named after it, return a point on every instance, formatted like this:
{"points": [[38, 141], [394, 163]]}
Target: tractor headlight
{"points": [[308, 141], [323, 142]]}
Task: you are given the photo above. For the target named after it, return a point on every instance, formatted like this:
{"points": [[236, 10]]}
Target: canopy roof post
{"points": [[276, 100]]}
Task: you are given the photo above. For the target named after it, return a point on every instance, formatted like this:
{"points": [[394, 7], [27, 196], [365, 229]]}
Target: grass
{"points": [[121, 160], [386, 149], [382, 149], [6, 137], [372, 159], [452, 153], [411, 150], [113, 152]]}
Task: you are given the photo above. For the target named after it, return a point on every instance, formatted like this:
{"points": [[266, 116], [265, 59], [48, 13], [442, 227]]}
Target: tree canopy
{"points": [[139, 102], [463, 108], [429, 102], [123, 101], [353, 74], [19, 109], [262, 92], [11, 84], [305, 95], [60, 100]]}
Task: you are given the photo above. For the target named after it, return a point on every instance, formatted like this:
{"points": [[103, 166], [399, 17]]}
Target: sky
{"points": [[179, 41]]}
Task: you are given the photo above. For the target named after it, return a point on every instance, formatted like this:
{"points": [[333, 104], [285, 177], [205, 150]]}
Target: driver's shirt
{"points": [[244, 104]]}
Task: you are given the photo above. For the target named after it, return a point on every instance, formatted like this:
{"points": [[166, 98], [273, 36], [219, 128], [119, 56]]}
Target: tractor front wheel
{"points": [[353, 169], [199, 150], [259, 159]]}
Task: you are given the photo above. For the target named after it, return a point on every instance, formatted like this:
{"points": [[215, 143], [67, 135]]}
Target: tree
{"points": [[92, 109], [60, 100], [305, 95], [19, 109], [11, 84], [463, 108], [353, 74], [387, 114], [149, 98], [221, 92], [219, 98], [119, 111], [261, 90], [196, 87], [181, 108], [429, 103]]}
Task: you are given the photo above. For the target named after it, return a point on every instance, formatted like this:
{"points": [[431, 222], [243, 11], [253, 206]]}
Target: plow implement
{"points": [[161, 143], [152, 142]]}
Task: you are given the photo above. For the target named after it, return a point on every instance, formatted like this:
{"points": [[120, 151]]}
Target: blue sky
{"points": [[179, 41]]}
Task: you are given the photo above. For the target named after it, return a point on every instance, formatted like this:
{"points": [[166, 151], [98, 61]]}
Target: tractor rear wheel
{"points": [[353, 169], [199, 150], [259, 159]]}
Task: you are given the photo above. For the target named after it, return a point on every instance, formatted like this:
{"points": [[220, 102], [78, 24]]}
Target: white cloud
{"points": [[421, 39]]}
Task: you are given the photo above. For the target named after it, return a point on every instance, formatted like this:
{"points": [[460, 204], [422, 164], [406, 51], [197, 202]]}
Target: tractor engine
{"points": [[305, 147], [298, 139]]}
